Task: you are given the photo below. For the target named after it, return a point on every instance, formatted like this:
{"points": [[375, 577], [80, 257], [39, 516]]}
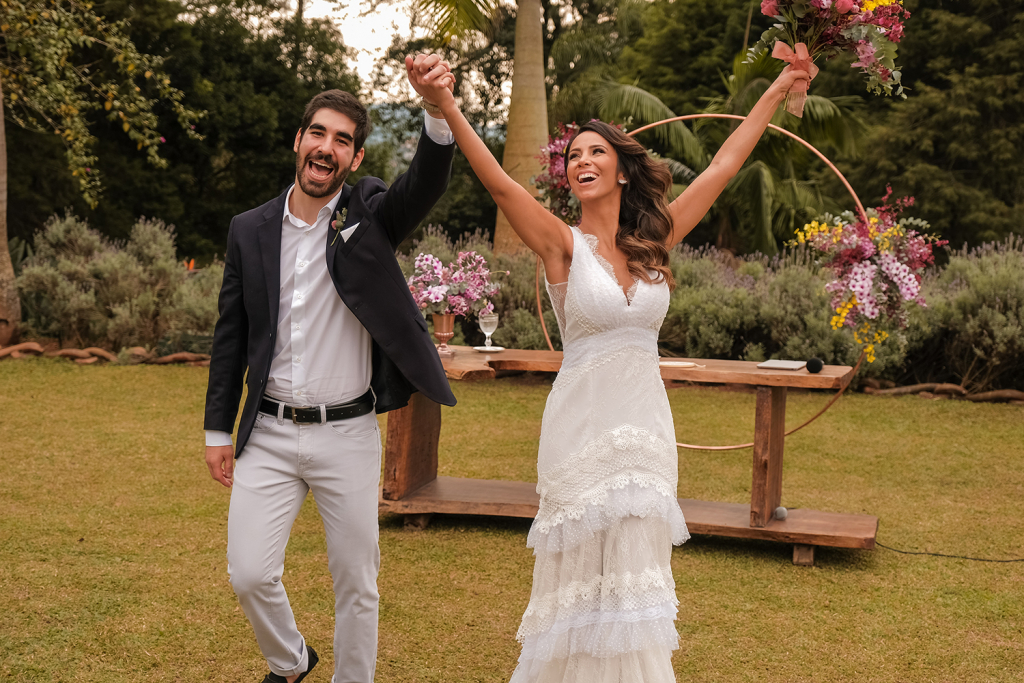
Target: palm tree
{"points": [[10, 304], [527, 129]]}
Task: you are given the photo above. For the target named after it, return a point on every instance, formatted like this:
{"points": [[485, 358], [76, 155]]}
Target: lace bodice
{"points": [[592, 301]]}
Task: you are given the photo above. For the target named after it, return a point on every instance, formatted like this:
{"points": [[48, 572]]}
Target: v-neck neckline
{"points": [[634, 287]]}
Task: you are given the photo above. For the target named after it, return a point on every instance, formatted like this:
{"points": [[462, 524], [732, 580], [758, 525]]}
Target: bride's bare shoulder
{"points": [[558, 259]]}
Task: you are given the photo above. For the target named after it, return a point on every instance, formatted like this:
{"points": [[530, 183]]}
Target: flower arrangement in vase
{"points": [[867, 30], [877, 267], [444, 291]]}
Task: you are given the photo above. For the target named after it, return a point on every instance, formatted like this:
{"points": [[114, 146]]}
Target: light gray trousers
{"points": [[340, 463]]}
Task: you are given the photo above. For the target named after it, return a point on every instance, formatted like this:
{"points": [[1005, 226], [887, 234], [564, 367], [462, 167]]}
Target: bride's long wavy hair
{"points": [[645, 222]]}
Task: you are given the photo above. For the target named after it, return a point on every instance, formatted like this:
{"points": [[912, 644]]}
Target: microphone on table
{"points": [[814, 365]]}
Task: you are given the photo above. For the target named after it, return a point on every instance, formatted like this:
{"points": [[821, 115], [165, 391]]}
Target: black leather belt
{"points": [[307, 415]]}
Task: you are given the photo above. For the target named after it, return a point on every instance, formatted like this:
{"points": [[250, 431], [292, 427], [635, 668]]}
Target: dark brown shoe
{"points": [[312, 660]]}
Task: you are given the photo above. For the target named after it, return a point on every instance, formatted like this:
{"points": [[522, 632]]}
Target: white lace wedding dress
{"points": [[603, 599]]}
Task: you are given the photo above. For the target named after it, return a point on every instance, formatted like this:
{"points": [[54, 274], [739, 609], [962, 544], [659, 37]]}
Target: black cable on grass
{"points": [[958, 557]]}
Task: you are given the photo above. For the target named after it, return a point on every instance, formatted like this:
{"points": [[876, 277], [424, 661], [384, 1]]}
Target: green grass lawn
{"points": [[112, 542]]}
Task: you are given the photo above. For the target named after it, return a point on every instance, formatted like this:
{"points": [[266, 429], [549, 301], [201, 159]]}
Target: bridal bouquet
{"points": [[877, 267], [461, 287], [867, 30]]}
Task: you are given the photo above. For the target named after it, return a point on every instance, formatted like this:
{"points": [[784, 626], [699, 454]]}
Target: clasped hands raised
{"points": [[431, 77]]}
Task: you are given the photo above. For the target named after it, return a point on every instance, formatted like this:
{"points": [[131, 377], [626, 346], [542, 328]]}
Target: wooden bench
{"points": [[412, 488]]}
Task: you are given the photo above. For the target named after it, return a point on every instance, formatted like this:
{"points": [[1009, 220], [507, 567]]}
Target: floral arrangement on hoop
{"points": [[552, 183], [866, 29], [877, 266], [461, 287]]}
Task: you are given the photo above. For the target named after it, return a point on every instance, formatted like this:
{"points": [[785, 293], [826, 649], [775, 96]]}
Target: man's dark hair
{"points": [[343, 103]]}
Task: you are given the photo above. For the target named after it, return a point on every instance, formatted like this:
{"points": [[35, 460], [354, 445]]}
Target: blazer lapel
{"points": [[269, 232], [334, 239]]}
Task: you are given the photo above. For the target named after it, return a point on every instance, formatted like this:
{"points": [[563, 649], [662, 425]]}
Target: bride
{"points": [[603, 598]]}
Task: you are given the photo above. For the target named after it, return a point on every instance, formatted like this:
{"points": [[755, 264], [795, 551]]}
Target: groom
{"points": [[316, 318]]}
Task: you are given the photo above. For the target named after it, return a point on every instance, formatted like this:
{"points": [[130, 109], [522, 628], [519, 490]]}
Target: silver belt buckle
{"points": [[295, 420]]}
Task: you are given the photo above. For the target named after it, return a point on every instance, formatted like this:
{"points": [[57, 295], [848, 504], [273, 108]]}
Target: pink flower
{"points": [[865, 53], [769, 8], [845, 6], [163, 139]]}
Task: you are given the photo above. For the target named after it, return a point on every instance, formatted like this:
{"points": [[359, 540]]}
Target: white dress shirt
{"points": [[322, 355]]}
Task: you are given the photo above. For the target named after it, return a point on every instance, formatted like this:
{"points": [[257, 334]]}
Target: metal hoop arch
{"points": [[846, 184]]}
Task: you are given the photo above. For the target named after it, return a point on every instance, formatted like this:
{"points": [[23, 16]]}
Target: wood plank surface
{"points": [[803, 555], [747, 372], [451, 495], [468, 364], [769, 439], [454, 496], [410, 452]]}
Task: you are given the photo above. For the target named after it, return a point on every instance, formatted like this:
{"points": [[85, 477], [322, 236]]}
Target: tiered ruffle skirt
{"points": [[603, 600]]}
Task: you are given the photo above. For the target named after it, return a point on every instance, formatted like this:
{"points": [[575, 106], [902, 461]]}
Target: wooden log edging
{"points": [[997, 396], [94, 354], [929, 387], [21, 350], [945, 391], [181, 357]]}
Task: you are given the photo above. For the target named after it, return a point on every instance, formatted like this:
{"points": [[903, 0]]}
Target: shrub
{"points": [[89, 291], [972, 332], [81, 288], [713, 310]]}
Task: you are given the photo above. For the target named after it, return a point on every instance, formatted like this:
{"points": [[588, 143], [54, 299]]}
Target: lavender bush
{"points": [[972, 332], [88, 291]]}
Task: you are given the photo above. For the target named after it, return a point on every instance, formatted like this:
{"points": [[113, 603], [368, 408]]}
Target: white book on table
{"points": [[782, 365]]}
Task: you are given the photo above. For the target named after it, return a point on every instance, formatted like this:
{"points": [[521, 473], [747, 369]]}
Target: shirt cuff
{"points": [[438, 130], [215, 438]]}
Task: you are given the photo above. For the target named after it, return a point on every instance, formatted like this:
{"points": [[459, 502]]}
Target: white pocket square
{"points": [[347, 232]]}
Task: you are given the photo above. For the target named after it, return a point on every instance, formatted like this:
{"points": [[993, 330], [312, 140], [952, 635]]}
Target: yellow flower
{"points": [[872, 5]]}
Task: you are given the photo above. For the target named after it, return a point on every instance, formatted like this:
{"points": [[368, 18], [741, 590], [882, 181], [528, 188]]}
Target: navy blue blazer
{"points": [[366, 276]]}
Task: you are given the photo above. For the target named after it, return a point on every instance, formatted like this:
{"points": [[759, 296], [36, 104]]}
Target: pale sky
{"points": [[369, 35]]}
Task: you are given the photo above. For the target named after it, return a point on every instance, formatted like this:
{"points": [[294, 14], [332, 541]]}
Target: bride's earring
{"points": [[622, 181]]}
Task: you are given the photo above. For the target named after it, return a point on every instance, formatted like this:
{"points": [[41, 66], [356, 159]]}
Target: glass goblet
{"points": [[488, 324]]}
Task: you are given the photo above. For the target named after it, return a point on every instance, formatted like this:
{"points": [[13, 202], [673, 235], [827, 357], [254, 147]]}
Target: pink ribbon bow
{"points": [[800, 60]]}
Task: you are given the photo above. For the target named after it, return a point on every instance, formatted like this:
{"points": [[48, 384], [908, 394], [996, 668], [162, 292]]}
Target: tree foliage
{"points": [[685, 46], [237, 62], [62, 62], [957, 143]]}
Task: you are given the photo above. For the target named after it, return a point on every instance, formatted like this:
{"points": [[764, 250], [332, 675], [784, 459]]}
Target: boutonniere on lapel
{"points": [[338, 222]]}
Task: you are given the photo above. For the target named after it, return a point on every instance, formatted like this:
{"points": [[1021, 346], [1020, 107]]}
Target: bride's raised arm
{"points": [[689, 207], [540, 231]]}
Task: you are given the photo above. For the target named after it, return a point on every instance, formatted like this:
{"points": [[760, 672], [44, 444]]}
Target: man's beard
{"points": [[316, 189]]}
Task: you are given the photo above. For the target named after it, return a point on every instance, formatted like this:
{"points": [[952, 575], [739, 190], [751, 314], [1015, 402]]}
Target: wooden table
{"points": [[412, 488]]}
